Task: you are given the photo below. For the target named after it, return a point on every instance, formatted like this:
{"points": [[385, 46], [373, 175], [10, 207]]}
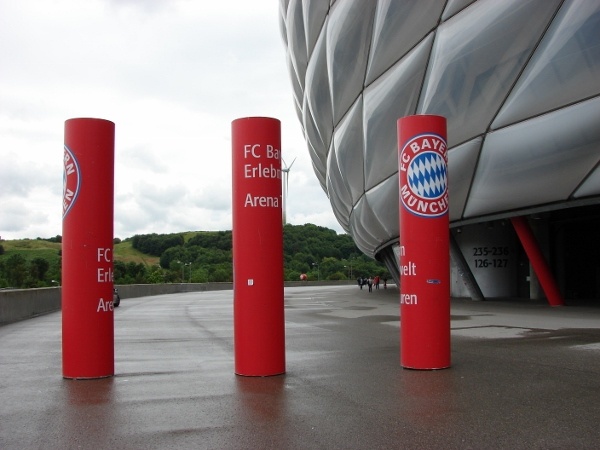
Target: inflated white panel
{"points": [[476, 60], [462, 161], [348, 145], [399, 26], [339, 195], [383, 200], [365, 228], [315, 13], [296, 39], [591, 185], [454, 7], [392, 96], [348, 42], [565, 67], [538, 161], [318, 97]]}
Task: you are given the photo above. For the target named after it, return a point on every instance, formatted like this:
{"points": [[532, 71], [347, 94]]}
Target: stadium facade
{"points": [[519, 84]]}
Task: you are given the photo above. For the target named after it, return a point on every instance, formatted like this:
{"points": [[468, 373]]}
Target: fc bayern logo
{"points": [[71, 181], [424, 176]]}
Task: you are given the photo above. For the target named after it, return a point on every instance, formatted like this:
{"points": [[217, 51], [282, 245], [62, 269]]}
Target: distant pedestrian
{"points": [[385, 283], [359, 280], [370, 283], [376, 281]]}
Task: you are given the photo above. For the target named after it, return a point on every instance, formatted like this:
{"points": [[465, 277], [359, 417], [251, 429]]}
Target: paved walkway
{"points": [[523, 376]]}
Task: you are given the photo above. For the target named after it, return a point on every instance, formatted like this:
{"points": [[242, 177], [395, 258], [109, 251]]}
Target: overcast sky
{"points": [[172, 75]]}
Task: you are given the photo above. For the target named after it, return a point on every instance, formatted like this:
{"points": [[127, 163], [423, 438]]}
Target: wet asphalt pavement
{"points": [[523, 376]]}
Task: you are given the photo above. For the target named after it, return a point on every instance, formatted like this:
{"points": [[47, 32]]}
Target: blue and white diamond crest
{"points": [[427, 175]]}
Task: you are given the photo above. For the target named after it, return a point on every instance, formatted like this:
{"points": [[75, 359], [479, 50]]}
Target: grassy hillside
{"points": [[126, 253], [31, 249], [39, 248], [29, 245], [50, 251]]}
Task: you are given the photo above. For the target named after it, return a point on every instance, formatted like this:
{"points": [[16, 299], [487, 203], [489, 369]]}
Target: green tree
{"points": [[3, 280], [38, 267], [292, 275], [337, 276], [137, 272], [221, 273], [211, 239], [155, 275], [155, 244], [120, 273], [173, 254], [329, 266], [200, 275], [16, 270]]}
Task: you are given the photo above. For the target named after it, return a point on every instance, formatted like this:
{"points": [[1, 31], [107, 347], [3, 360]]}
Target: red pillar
{"points": [[259, 330], [87, 245], [538, 262], [424, 243]]}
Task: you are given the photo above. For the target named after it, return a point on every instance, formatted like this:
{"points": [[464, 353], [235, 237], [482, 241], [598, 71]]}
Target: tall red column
{"points": [[259, 330], [87, 249], [538, 262], [424, 243]]}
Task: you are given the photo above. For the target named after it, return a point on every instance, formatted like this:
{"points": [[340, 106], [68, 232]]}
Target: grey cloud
{"points": [[16, 219], [13, 217], [141, 158], [14, 182], [217, 198], [20, 178], [158, 198]]}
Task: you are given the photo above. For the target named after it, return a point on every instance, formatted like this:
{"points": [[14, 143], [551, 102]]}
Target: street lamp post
{"points": [[190, 264], [183, 271], [318, 271], [345, 267]]}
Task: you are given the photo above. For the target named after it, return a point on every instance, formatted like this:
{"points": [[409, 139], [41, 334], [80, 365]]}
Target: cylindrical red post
{"points": [[538, 262], [424, 243], [259, 330], [87, 249]]}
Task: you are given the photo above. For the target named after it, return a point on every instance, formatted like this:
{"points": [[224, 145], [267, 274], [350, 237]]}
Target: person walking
{"points": [[359, 280], [370, 284]]}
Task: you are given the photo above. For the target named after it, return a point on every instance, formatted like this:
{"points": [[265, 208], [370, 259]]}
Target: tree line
{"points": [[317, 252], [17, 271]]}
